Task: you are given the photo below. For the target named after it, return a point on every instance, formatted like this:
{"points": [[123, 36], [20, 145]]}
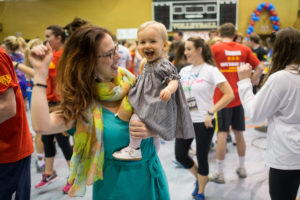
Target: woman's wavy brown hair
{"points": [[206, 51], [76, 72], [286, 50]]}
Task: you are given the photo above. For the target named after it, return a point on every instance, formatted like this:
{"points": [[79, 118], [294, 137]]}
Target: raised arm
{"points": [[42, 121], [257, 73], [260, 106]]}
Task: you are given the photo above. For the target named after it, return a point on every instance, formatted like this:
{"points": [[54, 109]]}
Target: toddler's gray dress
{"points": [[167, 119]]}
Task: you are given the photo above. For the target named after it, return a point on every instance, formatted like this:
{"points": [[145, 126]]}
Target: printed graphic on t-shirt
{"points": [[5, 80], [233, 53], [188, 81], [52, 65], [232, 61]]}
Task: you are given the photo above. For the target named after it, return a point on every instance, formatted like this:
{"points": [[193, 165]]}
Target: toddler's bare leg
{"points": [[134, 143]]}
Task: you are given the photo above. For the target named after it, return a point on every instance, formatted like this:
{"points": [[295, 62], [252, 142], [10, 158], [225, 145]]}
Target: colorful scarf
{"points": [[88, 154]]}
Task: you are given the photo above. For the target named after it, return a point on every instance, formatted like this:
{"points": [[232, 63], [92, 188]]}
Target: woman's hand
{"points": [[208, 121], [244, 71], [40, 57], [139, 130]]}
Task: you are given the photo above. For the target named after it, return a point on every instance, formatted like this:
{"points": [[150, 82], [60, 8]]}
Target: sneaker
{"points": [[39, 169], [241, 172], [262, 128], [217, 178], [128, 153], [177, 164], [212, 146], [195, 192], [47, 179], [228, 139], [233, 141], [200, 197], [67, 187]]}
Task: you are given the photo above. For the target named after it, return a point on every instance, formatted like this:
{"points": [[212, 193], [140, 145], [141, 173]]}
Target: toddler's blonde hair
{"points": [[158, 26]]}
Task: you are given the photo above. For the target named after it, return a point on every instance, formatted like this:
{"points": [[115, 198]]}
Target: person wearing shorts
{"points": [[229, 56]]}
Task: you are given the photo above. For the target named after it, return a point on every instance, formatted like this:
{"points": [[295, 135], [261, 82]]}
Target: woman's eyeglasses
{"points": [[111, 53]]}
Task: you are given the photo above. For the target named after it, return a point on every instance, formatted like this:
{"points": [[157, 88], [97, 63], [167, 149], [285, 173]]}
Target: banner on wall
{"points": [[126, 33], [202, 34]]}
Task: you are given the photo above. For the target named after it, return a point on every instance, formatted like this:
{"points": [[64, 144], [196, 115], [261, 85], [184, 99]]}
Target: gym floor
{"points": [[181, 182]]}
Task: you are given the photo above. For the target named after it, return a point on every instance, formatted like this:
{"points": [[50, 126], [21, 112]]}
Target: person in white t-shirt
{"points": [[278, 101], [125, 60], [199, 81]]}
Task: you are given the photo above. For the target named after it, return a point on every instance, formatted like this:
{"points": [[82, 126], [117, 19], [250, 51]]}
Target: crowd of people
{"points": [[116, 100]]}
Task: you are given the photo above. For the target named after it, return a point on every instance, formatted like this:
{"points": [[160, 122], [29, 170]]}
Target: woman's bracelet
{"points": [[209, 113], [16, 65], [40, 85]]}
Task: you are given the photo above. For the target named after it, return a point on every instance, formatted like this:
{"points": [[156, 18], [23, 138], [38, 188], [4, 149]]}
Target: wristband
{"points": [[16, 65], [209, 113], [40, 85]]}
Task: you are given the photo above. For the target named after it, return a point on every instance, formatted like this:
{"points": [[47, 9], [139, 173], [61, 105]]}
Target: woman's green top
{"points": [[129, 180]]}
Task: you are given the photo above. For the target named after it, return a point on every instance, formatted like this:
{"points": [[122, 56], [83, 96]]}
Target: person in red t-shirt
{"points": [[55, 35], [15, 138], [229, 56]]}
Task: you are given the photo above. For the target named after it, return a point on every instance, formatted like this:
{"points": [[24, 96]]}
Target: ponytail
{"points": [[207, 55]]}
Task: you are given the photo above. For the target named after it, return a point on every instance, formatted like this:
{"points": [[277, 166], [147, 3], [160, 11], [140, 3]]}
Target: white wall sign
{"points": [[126, 33]]}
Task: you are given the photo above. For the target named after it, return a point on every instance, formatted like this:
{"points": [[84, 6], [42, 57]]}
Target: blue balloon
{"points": [[272, 18], [249, 32], [250, 27], [256, 19], [263, 5], [276, 18], [275, 27], [271, 6], [259, 8]]}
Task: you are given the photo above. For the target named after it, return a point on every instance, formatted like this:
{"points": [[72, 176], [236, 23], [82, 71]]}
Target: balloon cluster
{"points": [[255, 16]]}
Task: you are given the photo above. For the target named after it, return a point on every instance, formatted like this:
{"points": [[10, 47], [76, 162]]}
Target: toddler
{"points": [[157, 98]]}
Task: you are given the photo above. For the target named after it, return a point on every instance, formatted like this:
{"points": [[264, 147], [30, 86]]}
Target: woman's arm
{"points": [[138, 130], [166, 93], [226, 99], [257, 73], [42, 121], [24, 68], [259, 107], [7, 105]]}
